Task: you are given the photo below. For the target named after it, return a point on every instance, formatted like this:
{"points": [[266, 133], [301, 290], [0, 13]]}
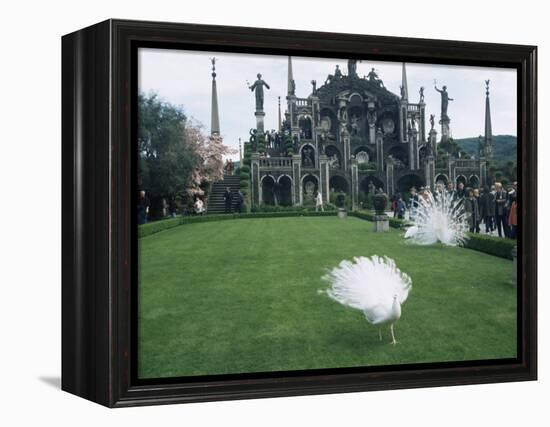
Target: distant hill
{"points": [[505, 147]]}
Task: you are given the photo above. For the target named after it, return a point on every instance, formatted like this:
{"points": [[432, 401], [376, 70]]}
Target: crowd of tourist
{"points": [[493, 207]]}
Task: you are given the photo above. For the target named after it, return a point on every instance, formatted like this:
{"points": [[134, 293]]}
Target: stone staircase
{"points": [[216, 205]]}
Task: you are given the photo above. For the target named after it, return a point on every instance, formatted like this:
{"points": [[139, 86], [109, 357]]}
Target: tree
{"points": [[211, 151], [166, 156]]}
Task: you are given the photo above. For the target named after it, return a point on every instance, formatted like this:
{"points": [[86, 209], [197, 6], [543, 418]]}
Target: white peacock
{"points": [[373, 285], [440, 217]]}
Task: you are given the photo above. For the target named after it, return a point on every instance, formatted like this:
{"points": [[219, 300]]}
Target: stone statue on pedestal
{"points": [[258, 88], [444, 101]]}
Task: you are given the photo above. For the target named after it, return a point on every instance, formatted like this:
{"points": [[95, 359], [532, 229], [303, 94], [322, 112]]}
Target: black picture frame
{"points": [[99, 230]]}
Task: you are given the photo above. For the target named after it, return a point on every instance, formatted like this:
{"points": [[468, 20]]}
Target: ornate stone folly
{"points": [[351, 135]]}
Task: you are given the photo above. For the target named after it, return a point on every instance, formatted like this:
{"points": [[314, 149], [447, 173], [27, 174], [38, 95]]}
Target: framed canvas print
{"points": [[256, 213]]}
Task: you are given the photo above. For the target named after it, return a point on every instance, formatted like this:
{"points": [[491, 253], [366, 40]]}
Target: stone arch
{"points": [[400, 153], [268, 186], [473, 181], [422, 155], [364, 185], [307, 190], [284, 187], [329, 121], [305, 126], [442, 178], [307, 152], [338, 183], [356, 98], [334, 156], [368, 150], [406, 182], [460, 178]]}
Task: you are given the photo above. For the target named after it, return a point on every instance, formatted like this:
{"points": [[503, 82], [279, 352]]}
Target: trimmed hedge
{"points": [[491, 245], [369, 216], [497, 246], [156, 226], [270, 208], [165, 224]]}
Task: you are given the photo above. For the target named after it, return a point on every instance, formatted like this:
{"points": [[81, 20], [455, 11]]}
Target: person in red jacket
{"points": [[513, 216]]}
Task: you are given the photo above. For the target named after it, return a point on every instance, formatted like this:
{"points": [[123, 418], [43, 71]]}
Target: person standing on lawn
{"points": [[501, 222], [513, 216], [227, 198], [240, 201], [319, 202], [487, 209], [400, 207], [142, 208], [472, 210], [413, 203]]}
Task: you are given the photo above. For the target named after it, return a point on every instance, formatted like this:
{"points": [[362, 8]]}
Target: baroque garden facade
{"points": [[353, 135]]}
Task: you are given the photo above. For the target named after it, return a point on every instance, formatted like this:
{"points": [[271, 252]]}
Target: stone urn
{"points": [[340, 204], [381, 220], [380, 201]]}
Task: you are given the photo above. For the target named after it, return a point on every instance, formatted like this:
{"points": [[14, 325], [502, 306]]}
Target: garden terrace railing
{"points": [[276, 162]]}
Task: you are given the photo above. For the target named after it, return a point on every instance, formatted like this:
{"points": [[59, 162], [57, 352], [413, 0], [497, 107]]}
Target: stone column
{"points": [[389, 176], [445, 129], [354, 184], [403, 121], [430, 172], [432, 139], [483, 171], [422, 122], [324, 177], [379, 150], [347, 148], [296, 175], [260, 121], [413, 149], [255, 179]]}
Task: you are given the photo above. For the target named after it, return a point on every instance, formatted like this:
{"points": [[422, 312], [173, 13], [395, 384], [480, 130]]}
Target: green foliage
{"points": [[261, 144], [333, 196], [369, 216], [493, 245], [166, 157], [504, 147], [370, 166], [289, 145], [329, 207], [245, 169], [365, 200]]}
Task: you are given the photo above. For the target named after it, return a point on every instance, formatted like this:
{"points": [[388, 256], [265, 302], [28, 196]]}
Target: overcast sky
{"points": [[184, 78]]}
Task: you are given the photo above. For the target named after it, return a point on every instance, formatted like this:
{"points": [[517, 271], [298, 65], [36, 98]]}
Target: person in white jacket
{"points": [[319, 202]]}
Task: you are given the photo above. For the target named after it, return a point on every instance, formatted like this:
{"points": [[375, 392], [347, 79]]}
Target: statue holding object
{"points": [[258, 89]]}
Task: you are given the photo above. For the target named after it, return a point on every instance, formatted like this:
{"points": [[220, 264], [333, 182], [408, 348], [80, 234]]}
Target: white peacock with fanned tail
{"points": [[373, 285]]}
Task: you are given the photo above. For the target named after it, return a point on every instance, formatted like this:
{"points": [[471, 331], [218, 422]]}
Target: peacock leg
{"points": [[392, 335], [380, 332]]}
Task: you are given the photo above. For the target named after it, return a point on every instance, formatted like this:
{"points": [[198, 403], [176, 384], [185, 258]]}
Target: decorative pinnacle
{"points": [[487, 87], [213, 60]]}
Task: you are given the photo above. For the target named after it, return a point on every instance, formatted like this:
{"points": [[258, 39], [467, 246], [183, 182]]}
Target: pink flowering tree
{"points": [[211, 151]]}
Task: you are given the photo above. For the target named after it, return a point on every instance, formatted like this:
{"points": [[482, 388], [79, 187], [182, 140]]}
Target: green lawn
{"points": [[241, 296]]}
